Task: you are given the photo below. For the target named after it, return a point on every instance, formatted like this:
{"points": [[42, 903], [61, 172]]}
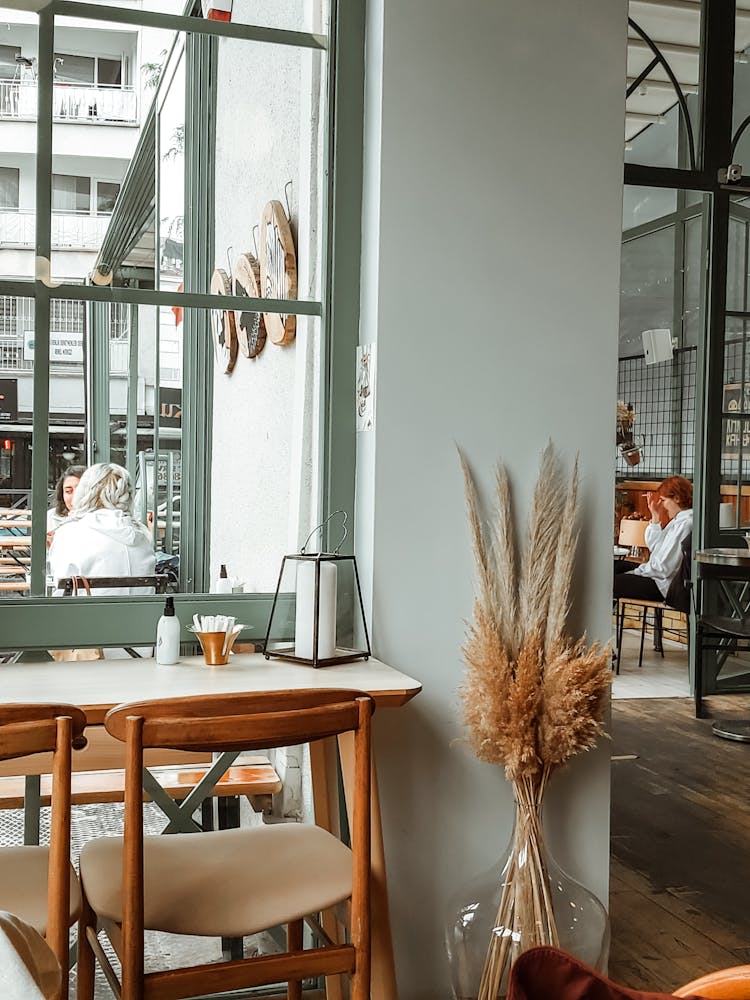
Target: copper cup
{"points": [[212, 644]]}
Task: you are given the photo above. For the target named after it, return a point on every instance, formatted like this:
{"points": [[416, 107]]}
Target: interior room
{"points": [[257, 432]]}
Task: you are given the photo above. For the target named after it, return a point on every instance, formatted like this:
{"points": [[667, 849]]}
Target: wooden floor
{"points": [[680, 877]]}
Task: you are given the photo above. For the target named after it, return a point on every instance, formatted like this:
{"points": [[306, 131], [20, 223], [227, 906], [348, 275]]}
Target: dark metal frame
{"points": [[716, 145]]}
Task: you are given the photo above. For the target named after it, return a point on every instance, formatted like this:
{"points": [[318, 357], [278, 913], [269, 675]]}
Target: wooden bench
{"points": [[256, 778]]}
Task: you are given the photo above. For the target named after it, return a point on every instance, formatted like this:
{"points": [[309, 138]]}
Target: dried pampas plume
{"points": [[533, 697]]}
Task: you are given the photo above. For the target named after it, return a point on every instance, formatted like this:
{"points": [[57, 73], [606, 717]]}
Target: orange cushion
{"points": [[550, 974]]}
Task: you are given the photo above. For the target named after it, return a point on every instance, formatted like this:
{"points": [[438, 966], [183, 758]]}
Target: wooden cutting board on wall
{"points": [[223, 324], [278, 270], [251, 327]]}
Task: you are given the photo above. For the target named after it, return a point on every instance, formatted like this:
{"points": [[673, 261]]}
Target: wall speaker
{"points": [[657, 346]]}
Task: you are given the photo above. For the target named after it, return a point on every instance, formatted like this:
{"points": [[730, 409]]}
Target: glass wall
{"points": [[184, 169], [662, 263]]}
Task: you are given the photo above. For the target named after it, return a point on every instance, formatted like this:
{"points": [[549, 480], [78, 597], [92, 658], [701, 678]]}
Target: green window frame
{"points": [[40, 622]]}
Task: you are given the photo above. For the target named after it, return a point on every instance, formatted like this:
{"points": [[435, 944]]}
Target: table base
{"points": [[732, 729]]}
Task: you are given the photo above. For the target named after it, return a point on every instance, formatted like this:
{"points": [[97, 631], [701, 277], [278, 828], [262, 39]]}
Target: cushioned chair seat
{"points": [[225, 882], [23, 885]]}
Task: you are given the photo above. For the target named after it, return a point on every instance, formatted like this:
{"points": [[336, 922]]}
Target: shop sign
{"points": [[63, 347], [8, 400], [736, 430], [170, 407]]}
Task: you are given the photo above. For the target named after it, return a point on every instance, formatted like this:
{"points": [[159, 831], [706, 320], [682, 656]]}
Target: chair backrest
{"points": [[71, 585], [242, 722], [29, 729], [678, 594]]}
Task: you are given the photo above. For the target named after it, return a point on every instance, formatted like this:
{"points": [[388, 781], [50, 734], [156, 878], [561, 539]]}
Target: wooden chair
{"points": [[726, 984], [39, 884], [229, 883]]}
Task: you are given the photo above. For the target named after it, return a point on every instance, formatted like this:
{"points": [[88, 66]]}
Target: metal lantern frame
{"points": [[346, 655]]}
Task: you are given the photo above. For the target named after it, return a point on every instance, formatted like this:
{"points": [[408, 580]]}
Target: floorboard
{"points": [[680, 842]]}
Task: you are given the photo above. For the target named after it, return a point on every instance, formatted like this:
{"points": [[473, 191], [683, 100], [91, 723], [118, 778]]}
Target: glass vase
{"points": [[524, 900]]}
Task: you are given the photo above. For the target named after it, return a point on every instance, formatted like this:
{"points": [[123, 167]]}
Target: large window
{"points": [[9, 187], [200, 322], [71, 194]]}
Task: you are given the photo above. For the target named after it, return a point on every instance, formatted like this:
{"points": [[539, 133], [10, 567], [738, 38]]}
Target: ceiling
{"points": [[674, 26]]}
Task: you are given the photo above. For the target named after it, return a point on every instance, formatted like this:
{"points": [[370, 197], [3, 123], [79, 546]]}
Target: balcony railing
{"points": [[67, 325], [69, 231], [71, 102]]}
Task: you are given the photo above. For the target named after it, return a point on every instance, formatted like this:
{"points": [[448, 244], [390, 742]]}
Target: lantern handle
{"points": [[322, 525]]}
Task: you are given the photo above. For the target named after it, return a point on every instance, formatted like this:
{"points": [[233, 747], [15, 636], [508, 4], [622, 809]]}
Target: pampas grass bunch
{"points": [[533, 697]]}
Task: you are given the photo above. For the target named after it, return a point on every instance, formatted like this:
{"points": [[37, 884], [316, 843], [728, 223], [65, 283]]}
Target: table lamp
{"points": [[633, 534], [316, 617]]}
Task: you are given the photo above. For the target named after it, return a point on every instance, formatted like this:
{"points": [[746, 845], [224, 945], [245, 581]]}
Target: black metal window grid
{"points": [[663, 396]]}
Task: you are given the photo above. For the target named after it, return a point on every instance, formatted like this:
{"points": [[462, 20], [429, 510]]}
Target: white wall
{"points": [[494, 139], [265, 415]]}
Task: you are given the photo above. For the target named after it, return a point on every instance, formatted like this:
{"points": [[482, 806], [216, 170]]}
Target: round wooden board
{"points": [[223, 325], [278, 270], [250, 326]]}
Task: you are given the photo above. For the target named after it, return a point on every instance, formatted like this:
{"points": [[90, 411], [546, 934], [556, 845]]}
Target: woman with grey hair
{"points": [[100, 537]]}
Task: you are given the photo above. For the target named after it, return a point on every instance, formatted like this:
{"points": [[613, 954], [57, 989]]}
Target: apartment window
{"points": [[106, 196], [9, 187], [8, 64], [71, 194], [8, 316], [92, 71], [74, 69], [109, 72]]}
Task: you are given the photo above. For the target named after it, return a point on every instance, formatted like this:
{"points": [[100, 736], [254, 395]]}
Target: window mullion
{"points": [[40, 436]]}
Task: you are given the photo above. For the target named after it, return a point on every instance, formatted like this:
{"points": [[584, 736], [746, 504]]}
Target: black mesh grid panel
{"points": [[663, 396]]}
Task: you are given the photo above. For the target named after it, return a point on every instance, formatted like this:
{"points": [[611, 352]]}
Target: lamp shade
{"points": [[633, 533]]}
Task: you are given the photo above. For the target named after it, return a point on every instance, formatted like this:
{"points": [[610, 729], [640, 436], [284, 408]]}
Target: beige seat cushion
{"points": [[23, 885], [227, 883]]}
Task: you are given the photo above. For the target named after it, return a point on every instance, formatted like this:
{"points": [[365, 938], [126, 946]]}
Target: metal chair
{"points": [[724, 634], [677, 599], [230, 883], [39, 884]]}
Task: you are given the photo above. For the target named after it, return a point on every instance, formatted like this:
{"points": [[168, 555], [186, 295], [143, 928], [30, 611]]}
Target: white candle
{"points": [[305, 614]]}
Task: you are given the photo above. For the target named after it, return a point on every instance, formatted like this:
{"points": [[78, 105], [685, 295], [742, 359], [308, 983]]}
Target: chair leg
{"points": [[294, 943], [659, 631], [643, 635], [620, 625], [86, 960], [228, 808], [699, 672]]}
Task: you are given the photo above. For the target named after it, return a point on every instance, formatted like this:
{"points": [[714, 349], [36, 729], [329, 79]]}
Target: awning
{"points": [[132, 222]]}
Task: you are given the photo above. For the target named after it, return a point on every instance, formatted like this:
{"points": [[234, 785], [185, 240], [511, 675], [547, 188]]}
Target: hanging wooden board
{"points": [[250, 326], [278, 270], [223, 325]]}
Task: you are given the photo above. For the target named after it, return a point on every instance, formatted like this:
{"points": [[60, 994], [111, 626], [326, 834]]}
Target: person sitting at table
{"points": [[100, 536], [672, 503], [64, 490]]}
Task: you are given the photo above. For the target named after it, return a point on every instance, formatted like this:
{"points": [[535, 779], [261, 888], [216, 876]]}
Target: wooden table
{"points": [[97, 685]]}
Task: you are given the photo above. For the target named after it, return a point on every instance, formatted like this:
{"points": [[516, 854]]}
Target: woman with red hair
{"points": [[672, 504]]}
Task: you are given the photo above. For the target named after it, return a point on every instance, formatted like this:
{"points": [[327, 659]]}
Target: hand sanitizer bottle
{"points": [[168, 635], [223, 585]]}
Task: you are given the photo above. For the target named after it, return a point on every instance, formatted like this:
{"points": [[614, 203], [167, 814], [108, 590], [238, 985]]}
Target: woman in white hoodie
{"points": [[100, 537]]}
